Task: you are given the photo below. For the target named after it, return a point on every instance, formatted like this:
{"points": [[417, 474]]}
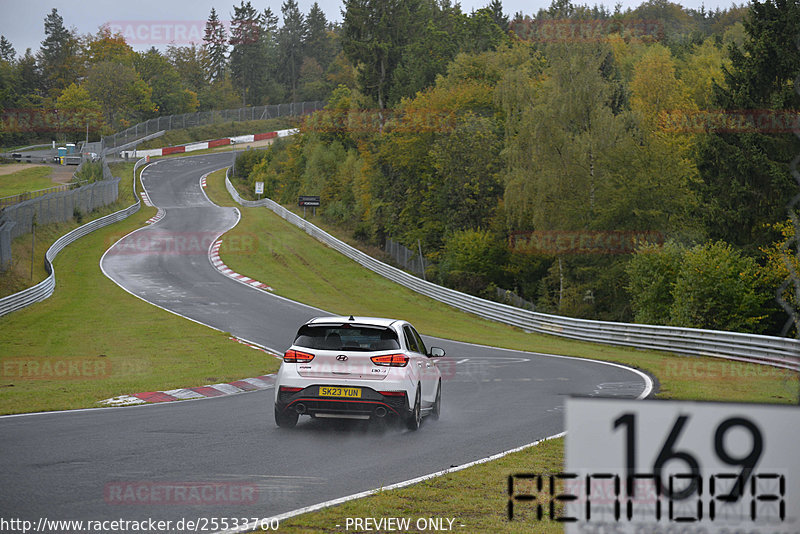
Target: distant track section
{"points": [[225, 141]]}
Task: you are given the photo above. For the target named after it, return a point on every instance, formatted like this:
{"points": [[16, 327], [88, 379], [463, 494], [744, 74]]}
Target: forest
{"points": [[618, 165]]}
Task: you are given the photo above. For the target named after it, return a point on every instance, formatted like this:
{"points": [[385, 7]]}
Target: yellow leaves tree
{"points": [[108, 46], [655, 86], [77, 110], [701, 69], [781, 271]]}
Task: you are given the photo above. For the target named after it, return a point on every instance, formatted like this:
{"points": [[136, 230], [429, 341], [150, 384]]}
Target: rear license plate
{"points": [[350, 393]]}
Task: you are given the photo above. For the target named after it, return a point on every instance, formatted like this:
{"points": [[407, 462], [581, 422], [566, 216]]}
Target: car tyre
{"points": [[286, 419], [414, 417], [437, 404]]}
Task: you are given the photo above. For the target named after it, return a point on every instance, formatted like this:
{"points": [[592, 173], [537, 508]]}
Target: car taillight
{"points": [[289, 389], [391, 360], [295, 356], [393, 393]]}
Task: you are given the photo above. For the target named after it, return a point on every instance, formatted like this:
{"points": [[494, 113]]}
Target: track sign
{"points": [[259, 188], [676, 466], [309, 201]]}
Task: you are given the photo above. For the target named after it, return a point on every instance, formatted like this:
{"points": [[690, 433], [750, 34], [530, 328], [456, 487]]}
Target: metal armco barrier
{"points": [[45, 288], [768, 350]]}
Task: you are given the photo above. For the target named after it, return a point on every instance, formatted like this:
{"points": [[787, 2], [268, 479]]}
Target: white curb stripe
{"points": [[184, 394], [226, 388], [257, 382]]}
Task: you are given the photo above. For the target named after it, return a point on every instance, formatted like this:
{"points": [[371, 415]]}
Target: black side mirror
{"points": [[436, 352]]}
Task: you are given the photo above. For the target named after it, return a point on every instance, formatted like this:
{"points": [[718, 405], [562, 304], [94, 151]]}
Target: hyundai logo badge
{"points": [[342, 357]]}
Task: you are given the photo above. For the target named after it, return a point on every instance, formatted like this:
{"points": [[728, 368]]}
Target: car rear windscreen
{"points": [[346, 337]]}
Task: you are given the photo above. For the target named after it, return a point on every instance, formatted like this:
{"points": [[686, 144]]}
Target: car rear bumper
{"points": [[371, 404]]}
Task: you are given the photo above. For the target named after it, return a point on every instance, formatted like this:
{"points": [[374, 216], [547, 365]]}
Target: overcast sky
{"points": [[158, 22]]}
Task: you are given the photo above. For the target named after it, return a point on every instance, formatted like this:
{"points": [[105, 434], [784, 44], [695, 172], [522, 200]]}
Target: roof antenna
{"points": [[351, 318]]}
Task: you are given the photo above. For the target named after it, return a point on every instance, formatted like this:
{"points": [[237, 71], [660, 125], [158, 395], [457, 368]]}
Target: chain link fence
{"points": [[16, 199], [406, 258], [202, 118], [18, 220], [506, 296]]}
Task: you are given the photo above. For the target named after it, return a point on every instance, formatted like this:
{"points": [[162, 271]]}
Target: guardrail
{"points": [[768, 350], [45, 288]]}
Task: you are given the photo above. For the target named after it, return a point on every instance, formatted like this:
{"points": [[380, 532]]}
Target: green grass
{"points": [[138, 347], [298, 267], [476, 497], [25, 180]]}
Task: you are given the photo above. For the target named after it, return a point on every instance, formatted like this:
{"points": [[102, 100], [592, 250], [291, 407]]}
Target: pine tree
{"points": [[318, 42], [747, 183], [7, 52], [247, 56], [375, 34], [501, 19], [291, 39], [58, 56], [272, 90], [216, 47]]}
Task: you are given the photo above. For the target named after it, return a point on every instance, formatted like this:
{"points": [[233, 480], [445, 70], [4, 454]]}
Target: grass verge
{"points": [[475, 497], [25, 180], [297, 267], [136, 348]]}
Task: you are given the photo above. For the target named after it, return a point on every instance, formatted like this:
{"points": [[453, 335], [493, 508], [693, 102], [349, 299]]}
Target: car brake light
{"points": [[393, 393], [391, 360], [290, 389], [295, 356]]}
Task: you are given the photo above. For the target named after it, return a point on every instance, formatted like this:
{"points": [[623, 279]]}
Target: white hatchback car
{"points": [[358, 368]]}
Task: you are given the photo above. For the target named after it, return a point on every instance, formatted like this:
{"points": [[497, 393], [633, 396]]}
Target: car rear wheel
{"points": [[414, 417], [437, 404], [286, 418]]}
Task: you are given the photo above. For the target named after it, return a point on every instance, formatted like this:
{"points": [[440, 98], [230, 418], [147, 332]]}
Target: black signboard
{"points": [[308, 201]]}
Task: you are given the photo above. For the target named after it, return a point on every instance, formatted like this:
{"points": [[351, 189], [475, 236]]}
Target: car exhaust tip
{"points": [[380, 411], [300, 408]]}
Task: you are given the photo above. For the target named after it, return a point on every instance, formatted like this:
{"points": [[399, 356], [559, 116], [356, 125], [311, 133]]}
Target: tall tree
{"points": [[107, 46], [168, 94], [247, 55], [30, 80], [500, 18], [272, 90], [374, 36], [59, 54], [77, 110], [291, 39], [215, 46], [747, 183], [7, 52], [188, 63], [318, 42], [119, 89], [429, 52]]}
